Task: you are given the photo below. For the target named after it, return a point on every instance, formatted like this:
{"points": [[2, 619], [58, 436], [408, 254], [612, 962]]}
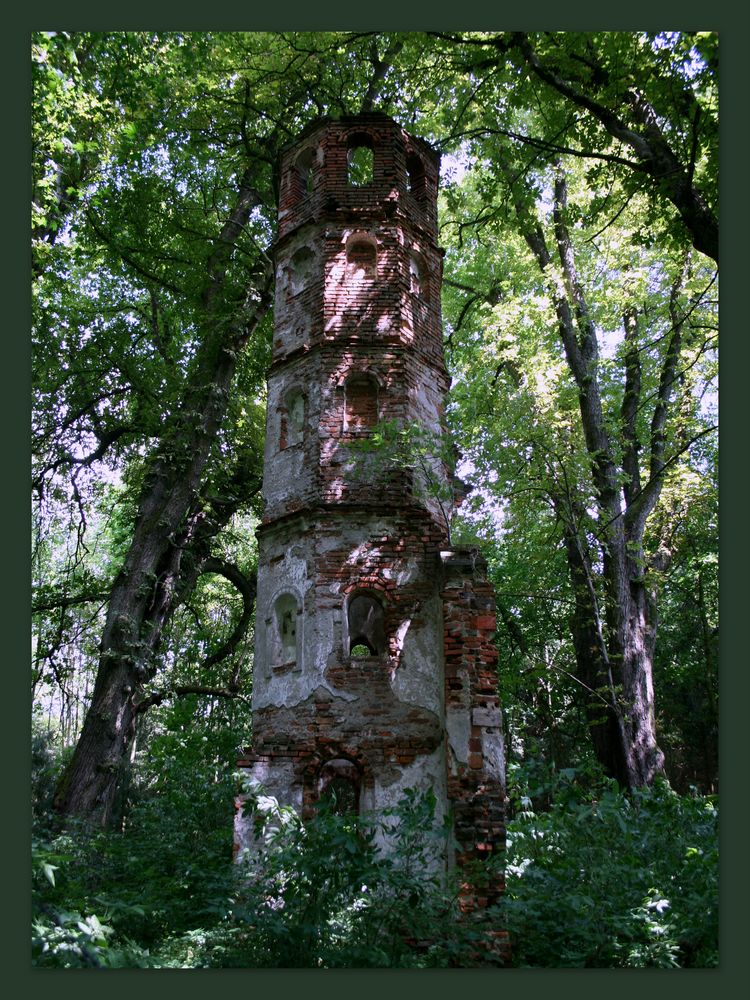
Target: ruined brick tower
{"points": [[375, 669]]}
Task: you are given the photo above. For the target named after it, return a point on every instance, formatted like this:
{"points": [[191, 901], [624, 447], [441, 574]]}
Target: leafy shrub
{"points": [[168, 871], [65, 937], [46, 762], [608, 879], [595, 878], [323, 894], [173, 858], [68, 929]]}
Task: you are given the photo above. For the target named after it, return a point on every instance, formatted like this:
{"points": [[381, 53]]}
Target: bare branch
{"points": [[181, 690], [247, 588]]}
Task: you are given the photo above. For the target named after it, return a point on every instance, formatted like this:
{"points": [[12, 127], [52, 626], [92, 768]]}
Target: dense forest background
{"points": [[578, 213]]}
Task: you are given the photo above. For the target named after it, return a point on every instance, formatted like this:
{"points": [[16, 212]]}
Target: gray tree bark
{"points": [[168, 543]]}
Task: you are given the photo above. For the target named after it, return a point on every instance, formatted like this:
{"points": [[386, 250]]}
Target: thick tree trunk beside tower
{"points": [[166, 547]]}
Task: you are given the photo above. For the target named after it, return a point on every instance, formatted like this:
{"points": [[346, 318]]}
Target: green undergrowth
{"points": [[595, 877], [323, 894], [607, 879]]}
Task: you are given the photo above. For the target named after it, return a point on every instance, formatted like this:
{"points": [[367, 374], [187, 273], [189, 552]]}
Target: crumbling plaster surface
{"points": [[290, 556], [358, 301], [459, 722], [427, 774], [493, 752], [387, 788], [418, 680]]}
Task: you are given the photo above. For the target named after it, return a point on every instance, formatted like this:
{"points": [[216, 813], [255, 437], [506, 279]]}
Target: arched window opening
{"points": [[366, 620], [300, 270], [361, 404], [305, 166], [361, 259], [341, 794], [292, 420], [415, 178], [360, 161], [339, 784], [285, 630]]}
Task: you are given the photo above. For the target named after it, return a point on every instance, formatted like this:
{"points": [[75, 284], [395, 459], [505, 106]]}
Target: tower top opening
{"points": [[354, 165]]}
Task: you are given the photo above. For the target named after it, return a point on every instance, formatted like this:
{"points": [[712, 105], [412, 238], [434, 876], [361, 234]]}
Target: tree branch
{"points": [[57, 603], [655, 155], [379, 69], [247, 588], [127, 258], [645, 500], [181, 690]]}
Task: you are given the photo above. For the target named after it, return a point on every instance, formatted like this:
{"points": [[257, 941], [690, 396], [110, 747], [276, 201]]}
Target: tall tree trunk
{"points": [[614, 648], [148, 587], [629, 634], [593, 670]]}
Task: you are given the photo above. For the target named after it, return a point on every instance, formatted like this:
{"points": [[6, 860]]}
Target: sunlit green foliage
{"points": [[141, 143], [167, 871], [516, 415], [322, 894], [595, 878], [163, 891], [606, 880]]}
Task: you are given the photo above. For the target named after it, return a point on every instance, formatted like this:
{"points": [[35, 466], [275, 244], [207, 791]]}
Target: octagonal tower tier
{"points": [[358, 333], [373, 638]]}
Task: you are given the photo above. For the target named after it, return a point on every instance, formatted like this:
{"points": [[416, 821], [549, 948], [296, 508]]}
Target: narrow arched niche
{"points": [[417, 276], [300, 270], [361, 258], [304, 166], [366, 625], [292, 419], [415, 177], [285, 644]]}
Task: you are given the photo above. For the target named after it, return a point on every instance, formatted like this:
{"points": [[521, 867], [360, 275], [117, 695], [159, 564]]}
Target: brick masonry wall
{"points": [[358, 338], [476, 766], [326, 143]]}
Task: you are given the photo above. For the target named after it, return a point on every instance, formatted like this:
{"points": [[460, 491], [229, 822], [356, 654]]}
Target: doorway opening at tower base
{"points": [[339, 786], [337, 782]]}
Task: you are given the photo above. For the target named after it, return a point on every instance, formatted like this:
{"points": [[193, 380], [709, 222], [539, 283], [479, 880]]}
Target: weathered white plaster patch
{"points": [[493, 751], [458, 723], [427, 773], [419, 678], [487, 717], [276, 775]]}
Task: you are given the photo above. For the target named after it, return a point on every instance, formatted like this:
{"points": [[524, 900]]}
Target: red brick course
{"points": [[359, 335]]}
